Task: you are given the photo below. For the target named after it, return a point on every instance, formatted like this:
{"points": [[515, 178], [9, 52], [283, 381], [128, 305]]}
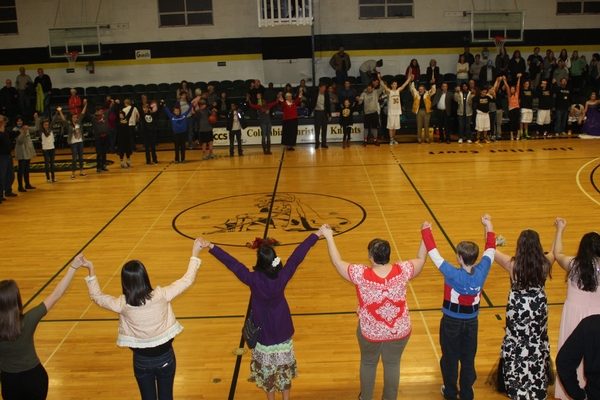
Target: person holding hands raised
{"points": [[394, 106], [383, 319], [147, 324]]}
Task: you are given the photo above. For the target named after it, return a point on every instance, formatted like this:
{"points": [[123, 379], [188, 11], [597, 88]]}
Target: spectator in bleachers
{"points": [[548, 66], [74, 128], [304, 91], [413, 70], [578, 67], [24, 86], [594, 75], [422, 109], [320, 106], [224, 105], [442, 104], [264, 117], [205, 129], [24, 152], [9, 100], [516, 66], [476, 67], [270, 94], [562, 106], [99, 122], [211, 97], [235, 124], [433, 73], [561, 72], [534, 63], [462, 70], [46, 84], [468, 56], [288, 89], [565, 57], [487, 75], [183, 87], [368, 70], [370, 98], [333, 99], [303, 110], [75, 103], [347, 93], [184, 104], [340, 62], [464, 98], [289, 130], [502, 63], [255, 89]]}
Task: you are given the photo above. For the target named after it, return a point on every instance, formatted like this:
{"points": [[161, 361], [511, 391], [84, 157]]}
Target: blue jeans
{"points": [[560, 120], [464, 127], [458, 340], [155, 375], [76, 155], [390, 353], [265, 131]]}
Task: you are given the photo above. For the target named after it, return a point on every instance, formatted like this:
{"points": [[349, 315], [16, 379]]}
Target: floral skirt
{"points": [[273, 367]]}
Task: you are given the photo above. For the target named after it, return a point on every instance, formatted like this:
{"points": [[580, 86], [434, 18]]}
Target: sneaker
{"points": [[459, 141], [442, 389], [557, 134], [83, 175], [364, 143], [176, 162], [376, 143], [97, 171], [122, 165], [419, 141], [183, 162], [518, 137], [128, 164], [105, 170], [469, 141], [72, 177], [392, 142], [212, 156], [147, 165], [325, 146], [487, 140], [204, 157], [55, 180], [156, 163], [477, 141]]}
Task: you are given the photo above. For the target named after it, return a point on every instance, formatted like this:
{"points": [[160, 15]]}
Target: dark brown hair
{"points": [[135, 283], [11, 311], [379, 251], [531, 267], [469, 252], [583, 266]]}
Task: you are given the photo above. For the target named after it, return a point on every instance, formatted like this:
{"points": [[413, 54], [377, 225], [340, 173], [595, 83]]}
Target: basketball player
{"points": [[394, 106]]}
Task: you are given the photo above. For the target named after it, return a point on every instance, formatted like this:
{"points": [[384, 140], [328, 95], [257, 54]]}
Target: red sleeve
{"points": [[255, 106], [273, 104], [428, 239], [490, 241], [298, 100]]}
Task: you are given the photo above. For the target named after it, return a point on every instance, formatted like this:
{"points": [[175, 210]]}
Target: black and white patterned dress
{"points": [[525, 348]]}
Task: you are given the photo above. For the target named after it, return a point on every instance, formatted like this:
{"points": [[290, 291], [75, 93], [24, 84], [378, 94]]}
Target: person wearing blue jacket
{"points": [[179, 125]]}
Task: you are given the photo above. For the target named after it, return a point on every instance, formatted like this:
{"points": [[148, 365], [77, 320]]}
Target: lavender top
{"points": [[277, 326]]}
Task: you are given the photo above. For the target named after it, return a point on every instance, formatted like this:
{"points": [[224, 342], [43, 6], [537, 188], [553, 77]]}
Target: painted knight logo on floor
{"points": [[235, 220]]}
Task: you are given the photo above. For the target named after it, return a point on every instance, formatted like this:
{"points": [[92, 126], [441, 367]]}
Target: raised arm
{"points": [[334, 254], [419, 262], [180, 285], [563, 260], [384, 84], [62, 286], [406, 82], [299, 254], [107, 301], [60, 113]]}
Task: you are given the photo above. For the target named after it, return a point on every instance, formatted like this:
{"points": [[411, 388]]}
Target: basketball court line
{"points": [[579, 183]]}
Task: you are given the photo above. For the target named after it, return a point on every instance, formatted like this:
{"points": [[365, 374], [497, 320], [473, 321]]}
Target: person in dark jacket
{"points": [[321, 108], [235, 123]]}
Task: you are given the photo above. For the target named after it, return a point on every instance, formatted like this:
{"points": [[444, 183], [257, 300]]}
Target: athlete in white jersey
{"points": [[394, 107]]}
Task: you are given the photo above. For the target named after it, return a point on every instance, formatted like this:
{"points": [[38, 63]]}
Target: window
{"points": [[185, 12], [8, 18], [385, 9], [578, 7]]}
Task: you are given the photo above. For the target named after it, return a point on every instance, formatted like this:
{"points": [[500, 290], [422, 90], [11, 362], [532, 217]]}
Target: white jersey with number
{"points": [[394, 106]]}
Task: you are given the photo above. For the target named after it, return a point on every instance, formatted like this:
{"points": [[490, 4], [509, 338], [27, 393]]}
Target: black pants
{"points": [[49, 163], [235, 135], [320, 128], [347, 132], [179, 141], [23, 173], [150, 147], [26, 385], [102, 147], [443, 123]]}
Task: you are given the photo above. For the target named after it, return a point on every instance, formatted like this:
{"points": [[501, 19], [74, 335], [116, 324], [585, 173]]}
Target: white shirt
{"points": [[135, 116], [441, 105], [394, 105], [47, 141]]}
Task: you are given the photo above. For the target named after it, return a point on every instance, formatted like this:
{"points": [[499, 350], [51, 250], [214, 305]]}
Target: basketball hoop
{"points": [[71, 57], [499, 42]]}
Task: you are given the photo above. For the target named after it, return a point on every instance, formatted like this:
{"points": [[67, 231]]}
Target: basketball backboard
{"points": [[486, 25], [83, 39]]}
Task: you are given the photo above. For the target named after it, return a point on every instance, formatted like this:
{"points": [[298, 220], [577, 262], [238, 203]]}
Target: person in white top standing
{"points": [[394, 106], [133, 121], [48, 149]]}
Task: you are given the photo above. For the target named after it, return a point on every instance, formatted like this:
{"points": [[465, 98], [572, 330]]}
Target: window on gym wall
{"points": [[8, 18], [385, 9], [578, 7], [185, 12]]}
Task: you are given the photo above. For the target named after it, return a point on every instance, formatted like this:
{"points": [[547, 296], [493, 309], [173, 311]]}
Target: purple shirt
{"points": [[277, 326]]}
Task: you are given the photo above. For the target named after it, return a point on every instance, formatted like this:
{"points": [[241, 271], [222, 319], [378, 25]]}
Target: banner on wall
{"points": [[306, 134]]}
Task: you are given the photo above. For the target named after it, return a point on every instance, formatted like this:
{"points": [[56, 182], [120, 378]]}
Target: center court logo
{"points": [[236, 220]]}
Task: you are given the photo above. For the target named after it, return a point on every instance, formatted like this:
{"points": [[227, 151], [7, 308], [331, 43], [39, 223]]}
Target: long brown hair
{"points": [[531, 267], [11, 311]]}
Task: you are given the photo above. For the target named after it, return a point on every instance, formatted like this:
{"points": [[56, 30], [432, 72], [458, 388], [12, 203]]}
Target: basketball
{"points": [[212, 119]]}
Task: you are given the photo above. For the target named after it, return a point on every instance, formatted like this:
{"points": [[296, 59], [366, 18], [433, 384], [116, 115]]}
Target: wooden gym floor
{"points": [[151, 212]]}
